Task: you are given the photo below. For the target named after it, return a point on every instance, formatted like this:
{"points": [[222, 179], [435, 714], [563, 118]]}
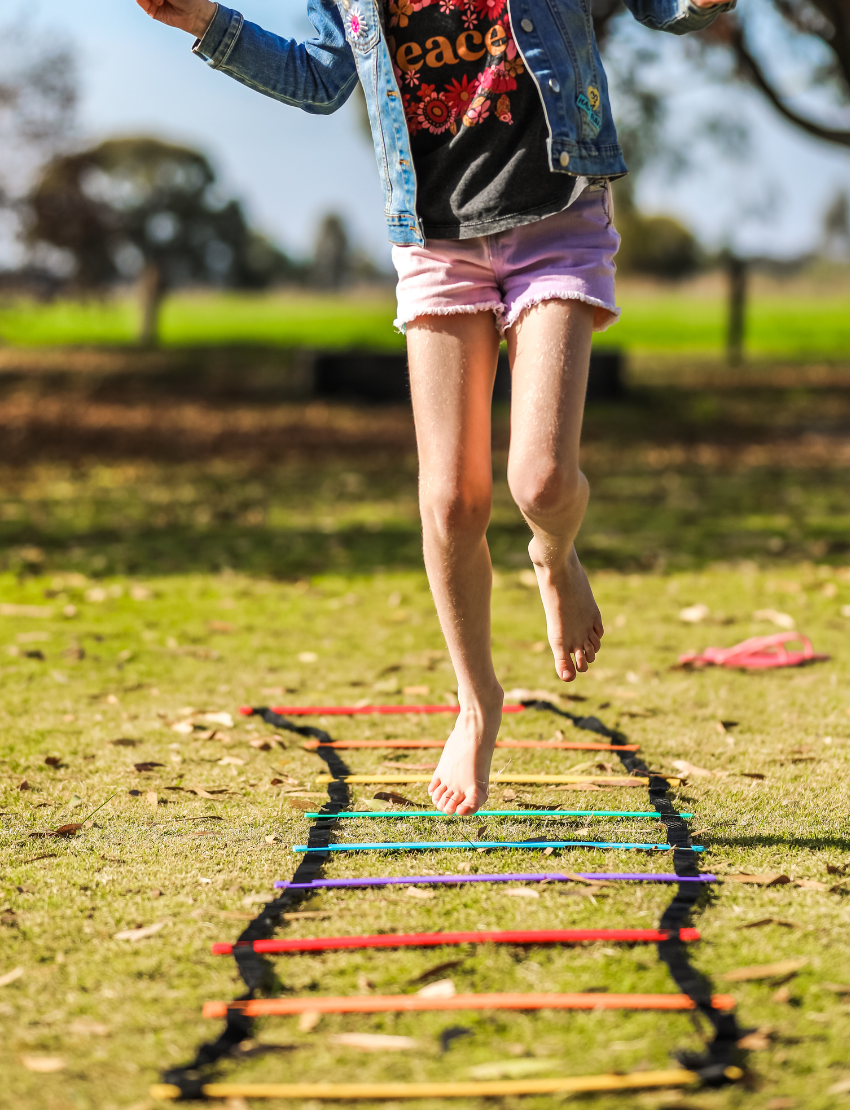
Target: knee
{"points": [[546, 489], [456, 513]]}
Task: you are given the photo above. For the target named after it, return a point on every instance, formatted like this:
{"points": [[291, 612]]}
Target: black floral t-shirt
{"points": [[477, 128]]}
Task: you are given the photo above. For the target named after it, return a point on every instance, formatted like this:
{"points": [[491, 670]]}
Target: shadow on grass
{"points": [[156, 485]]}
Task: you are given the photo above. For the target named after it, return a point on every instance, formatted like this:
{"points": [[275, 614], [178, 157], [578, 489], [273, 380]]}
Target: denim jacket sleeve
{"points": [[317, 76], [676, 16]]}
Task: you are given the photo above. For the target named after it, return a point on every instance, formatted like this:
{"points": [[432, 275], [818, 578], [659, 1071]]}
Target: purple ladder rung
{"points": [[552, 876]]}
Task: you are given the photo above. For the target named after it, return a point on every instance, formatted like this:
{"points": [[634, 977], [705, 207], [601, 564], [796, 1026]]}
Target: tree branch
{"points": [[758, 77]]}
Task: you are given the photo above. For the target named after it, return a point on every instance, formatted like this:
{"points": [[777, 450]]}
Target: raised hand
{"points": [[193, 16]]}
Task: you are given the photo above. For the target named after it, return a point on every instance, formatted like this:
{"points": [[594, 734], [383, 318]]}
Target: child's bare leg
{"points": [[549, 347], [452, 370]]}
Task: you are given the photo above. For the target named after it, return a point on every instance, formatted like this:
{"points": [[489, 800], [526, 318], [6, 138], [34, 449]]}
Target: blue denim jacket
{"points": [[555, 38]]}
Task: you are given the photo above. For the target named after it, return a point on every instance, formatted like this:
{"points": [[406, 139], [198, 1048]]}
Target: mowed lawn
{"points": [[181, 559], [791, 320]]}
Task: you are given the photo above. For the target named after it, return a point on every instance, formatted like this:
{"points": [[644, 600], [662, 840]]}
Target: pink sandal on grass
{"points": [[756, 654]]}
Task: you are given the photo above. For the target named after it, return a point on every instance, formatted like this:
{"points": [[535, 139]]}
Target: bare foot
{"points": [[461, 782], [573, 620]]}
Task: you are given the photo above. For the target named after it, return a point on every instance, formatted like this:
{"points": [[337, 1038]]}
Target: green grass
{"points": [[239, 578], [147, 659], [797, 323]]}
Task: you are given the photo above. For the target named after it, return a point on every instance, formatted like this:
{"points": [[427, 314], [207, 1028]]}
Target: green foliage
{"points": [[656, 245]]}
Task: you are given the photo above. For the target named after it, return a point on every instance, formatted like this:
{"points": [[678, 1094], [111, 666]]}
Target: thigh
{"points": [[452, 370], [549, 350]]}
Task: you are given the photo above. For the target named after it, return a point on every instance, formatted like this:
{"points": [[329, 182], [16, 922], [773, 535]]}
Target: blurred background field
{"points": [[800, 318]]}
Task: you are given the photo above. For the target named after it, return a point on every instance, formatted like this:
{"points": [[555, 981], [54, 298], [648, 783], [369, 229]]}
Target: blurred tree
{"points": [[143, 208], [38, 102], [331, 257], [836, 229], [655, 245], [807, 39]]}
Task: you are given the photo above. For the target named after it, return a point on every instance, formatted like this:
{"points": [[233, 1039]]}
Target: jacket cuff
{"points": [[220, 37], [698, 17]]}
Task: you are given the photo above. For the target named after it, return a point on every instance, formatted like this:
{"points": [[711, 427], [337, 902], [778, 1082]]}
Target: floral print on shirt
{"points": [[469, 100]]}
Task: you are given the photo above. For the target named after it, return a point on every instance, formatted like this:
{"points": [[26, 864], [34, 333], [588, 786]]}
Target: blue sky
{"points": [[289, 168]]}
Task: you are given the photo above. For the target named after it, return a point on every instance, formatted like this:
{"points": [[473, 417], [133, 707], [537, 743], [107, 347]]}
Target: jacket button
{"points": [[527, 26], [564, 159], [553, 85]]}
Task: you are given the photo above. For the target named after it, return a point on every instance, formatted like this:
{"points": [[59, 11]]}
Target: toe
{"points": [[564, 665], [450, 802], [594, 640], [589, 652], [438, 794], [598, 628], [581, 662]]}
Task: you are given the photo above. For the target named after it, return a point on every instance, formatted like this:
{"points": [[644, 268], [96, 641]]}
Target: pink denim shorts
{"points": [[568, 256]]}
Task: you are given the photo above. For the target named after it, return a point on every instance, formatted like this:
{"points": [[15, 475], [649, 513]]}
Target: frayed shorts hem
{"points": [[603, 318]]}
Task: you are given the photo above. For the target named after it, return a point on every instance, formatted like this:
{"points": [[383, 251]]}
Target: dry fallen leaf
{"points": [[308, 1021], [43, 1064], [152, 798], [53, 761], [437, 969], [124, 742], [839, 1088], [774, 879], [416, 691], [258, 899], [301, 915], [140, 933], [692, 771], [770, 921], [521, 892], [782, 995], [810, 884], [148, 765], [781, 1104], [756, 1041], [262, 744], [286, 780], [443, 988], [84, 1028], [509, 1069], [373, 1042], [764, 971], [218, 719], [11, 976], [415, 892], [396, 799], [781, 620], [231, 761], [694, 614]]}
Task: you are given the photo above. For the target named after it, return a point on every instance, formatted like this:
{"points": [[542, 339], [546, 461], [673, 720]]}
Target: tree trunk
{"points": [[152, 290], [736, 269]]}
